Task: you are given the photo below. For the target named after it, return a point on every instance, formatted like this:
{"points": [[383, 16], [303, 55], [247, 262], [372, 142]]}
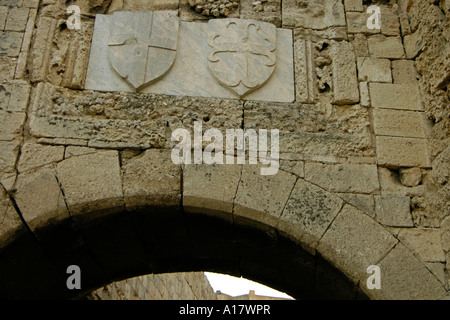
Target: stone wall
{"points": [[428, 41], [169, 286], [364, 147]]}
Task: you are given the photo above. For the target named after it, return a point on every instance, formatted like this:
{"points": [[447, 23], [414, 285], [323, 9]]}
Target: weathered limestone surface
{"points": [[120, 120], [210, 189], [313, 14], [355, 241], [308, 213], [358, 178], [39, 206], [252, 201], [363, 167], [393, 210], [151, 178], [374, 70], [400, 123], [344, 67], [381, 46], [36, 155], [9, 219], [402, 152], [395, 96], [412, 280], [91, 182]]}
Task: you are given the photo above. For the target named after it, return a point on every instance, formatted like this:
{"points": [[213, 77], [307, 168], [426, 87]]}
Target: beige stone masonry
{"points": [[402, 152], [151, 178], [410, 278], [404, 71], [374, 70], [308, 213], [393, 210], [91, 182], [381, 46], [210, 189], [10, 221], [355, 241], [36, 155], [395, 96], [399, 123], [358, 178], [40, 207], [262, 198]]}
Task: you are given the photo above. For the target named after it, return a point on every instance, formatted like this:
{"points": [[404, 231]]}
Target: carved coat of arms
{"points": [[144, 50], [242, 54]]}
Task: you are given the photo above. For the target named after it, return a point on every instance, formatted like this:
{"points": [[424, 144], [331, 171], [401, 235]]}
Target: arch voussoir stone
{"points": [[262, 198], [151, 178], [308, 213], [91, 183]]}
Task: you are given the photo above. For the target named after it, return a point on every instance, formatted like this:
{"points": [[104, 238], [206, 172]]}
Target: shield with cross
{"points": [[142, 46], [242, 54]]}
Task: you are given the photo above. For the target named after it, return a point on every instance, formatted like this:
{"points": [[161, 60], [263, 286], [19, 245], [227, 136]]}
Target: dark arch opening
{"points": [[115, 246]]}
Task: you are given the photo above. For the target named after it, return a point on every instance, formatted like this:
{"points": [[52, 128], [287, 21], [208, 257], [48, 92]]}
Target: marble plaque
{"points": [[225, 58]]}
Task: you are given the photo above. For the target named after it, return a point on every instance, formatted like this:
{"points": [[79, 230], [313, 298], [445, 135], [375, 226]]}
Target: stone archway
{"points": [[118, 218]]}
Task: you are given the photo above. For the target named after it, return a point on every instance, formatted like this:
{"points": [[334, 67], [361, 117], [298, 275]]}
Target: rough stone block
{"points": [[108, 120], [345, 83], [305, 83], [192, 74], [9, 219], [399, 123], [10, 43], [151, 178], [425, 243], [19, 97], [266, 11], [360, 47], [402, 152], [36, 155], [40, 199], [363, 202], [210, 189], [357, 178], [390, 24], [404, 71], [395, 96], [91, 182], [313, 14], [7, 67], [17, 19], [353, 5], [355, 241], [8, 156], [143, 5], [364, 94], [3, 14], [406, 278], [357, 23], [374, 69], [11, 125], [308, 213], [252, 201], [40, 53], [393, 210], [381, 46], [410, 177]]}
